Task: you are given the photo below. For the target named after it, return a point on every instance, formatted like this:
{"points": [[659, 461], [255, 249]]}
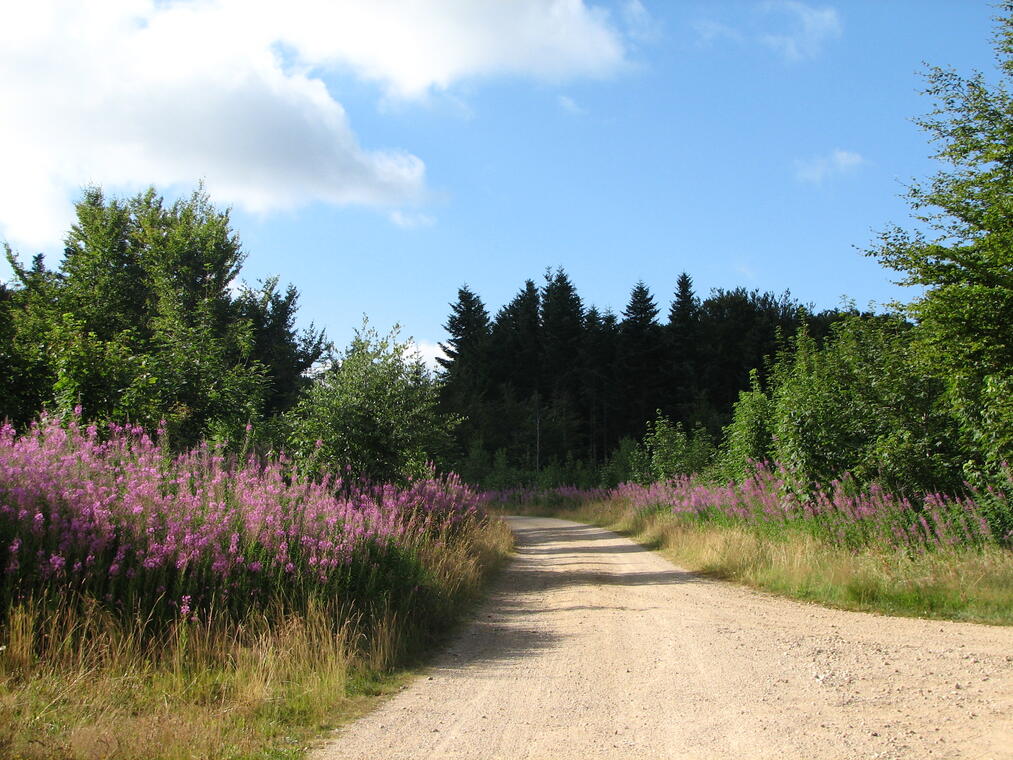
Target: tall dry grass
{"points": [[79, 682]]}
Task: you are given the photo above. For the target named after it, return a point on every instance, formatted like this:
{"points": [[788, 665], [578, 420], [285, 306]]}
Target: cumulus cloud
{"points": [[808, 28], [837, 162], [429, 352], [126, 93]]}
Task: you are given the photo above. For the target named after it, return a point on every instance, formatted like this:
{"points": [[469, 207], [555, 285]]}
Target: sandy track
{"points": [[591, 647]]}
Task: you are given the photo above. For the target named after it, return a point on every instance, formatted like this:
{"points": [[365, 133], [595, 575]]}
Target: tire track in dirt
{"points": [[592, 647]]}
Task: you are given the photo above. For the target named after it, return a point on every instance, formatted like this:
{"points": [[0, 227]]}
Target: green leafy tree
{"points": [[748, 438], [963, 262], [867, 404], [287, 354], [672, 452], [26, 374], [629, 462], [375, 410], [139, 323], [738, 329]]}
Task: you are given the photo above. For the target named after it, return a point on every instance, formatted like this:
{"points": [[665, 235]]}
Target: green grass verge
{"points": [[949, 584]]}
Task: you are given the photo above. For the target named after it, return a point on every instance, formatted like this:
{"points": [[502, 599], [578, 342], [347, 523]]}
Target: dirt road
{"points": [[591, 647]]}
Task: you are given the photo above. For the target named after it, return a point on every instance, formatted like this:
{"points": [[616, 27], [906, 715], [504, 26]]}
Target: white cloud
{"points": [[429, 352], [809, 28], [837, 162], [126, 93], [411, 220], [639, 23], [571, 106]]}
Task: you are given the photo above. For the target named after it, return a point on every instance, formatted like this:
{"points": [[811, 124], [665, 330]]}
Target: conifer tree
{"points": [[469, 329], [465, 370], [683, 338], [562, 331], [640, 358], [599, 389], [516, 342]]}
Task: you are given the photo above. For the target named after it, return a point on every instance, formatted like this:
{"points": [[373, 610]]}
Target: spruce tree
{"points": [[469, 329], [640, 358], [562, 331], [465, 373], [562, 336], [516, 342], [599, 389], [683, 338]]}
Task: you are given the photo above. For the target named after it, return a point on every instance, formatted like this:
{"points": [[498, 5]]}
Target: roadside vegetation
{"points": [[218, 534], [201, 605], [866, 460], [849, 548]]}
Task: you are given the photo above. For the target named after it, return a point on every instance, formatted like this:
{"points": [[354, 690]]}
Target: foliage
{"points": [[970, 581], [115, 518], [373, 410], [748, 438], [964, 261], [160, 607], [863, 404], [139, 323], [560, 379], [673, 453], [562, 332]]}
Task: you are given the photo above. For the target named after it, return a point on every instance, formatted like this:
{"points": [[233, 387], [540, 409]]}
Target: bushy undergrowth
{"points": [[245, 597]]}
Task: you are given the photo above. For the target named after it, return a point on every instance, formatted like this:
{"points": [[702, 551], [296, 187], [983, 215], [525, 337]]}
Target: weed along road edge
{"points": [[592, 647]]}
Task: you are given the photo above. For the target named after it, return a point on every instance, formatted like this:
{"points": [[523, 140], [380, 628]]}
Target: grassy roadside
{"points": [[265, 688], [966, 584]]}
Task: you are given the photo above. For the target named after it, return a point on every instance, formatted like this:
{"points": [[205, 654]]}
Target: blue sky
{"points": [[380, 154]]}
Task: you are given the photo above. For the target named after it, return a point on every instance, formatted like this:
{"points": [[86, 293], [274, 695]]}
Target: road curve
{"points": [[592, 647]]}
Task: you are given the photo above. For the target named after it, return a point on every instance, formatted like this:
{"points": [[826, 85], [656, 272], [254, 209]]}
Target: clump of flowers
{"points": [[844, 513], [110, 513]]}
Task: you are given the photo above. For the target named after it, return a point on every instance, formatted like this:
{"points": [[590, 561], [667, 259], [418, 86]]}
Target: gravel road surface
{"points": [[592, 647]]}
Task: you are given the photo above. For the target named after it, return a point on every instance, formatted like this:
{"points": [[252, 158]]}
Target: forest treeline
{"points": [[549, 387]]}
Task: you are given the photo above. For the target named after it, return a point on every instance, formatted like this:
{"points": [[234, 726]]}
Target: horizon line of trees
{"points": [[550, 381]]}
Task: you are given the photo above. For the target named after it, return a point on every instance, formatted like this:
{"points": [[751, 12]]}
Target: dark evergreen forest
{"points": [[553, 386]]}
